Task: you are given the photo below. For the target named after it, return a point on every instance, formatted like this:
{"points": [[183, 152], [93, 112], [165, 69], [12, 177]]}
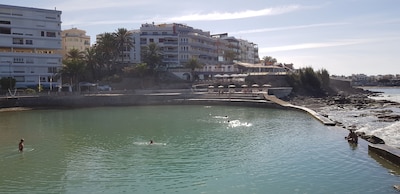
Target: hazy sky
{"points": [[343, 36]]}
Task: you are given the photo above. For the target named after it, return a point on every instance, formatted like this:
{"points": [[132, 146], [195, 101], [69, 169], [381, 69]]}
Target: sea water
{"points": [[196, 149]]}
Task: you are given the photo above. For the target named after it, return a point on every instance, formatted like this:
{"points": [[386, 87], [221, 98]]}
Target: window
{"points": [[155, 33], [5, 22], [28, 41], [18, 41], [50, 34], [161, 40], [29, 60], [52, 70], [18, 60], [19, 78], [42, 33], [5, 30], [151, 40]]}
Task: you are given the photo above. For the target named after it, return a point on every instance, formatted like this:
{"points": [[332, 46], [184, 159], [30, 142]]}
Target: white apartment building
{"points": [[246, 52], [74, 39], [179, 43], [30, 44]]}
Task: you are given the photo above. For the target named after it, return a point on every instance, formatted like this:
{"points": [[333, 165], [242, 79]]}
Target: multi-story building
{"points": [[248, 52], [30, 42], [243, 50], [74, 39], [179, 43]]}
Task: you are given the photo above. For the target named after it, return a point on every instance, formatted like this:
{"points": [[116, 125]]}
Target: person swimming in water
{"points": [[21, 145], [151, 142], [352, 137]]}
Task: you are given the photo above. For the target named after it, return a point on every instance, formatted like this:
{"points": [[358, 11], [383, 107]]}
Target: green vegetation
{"points": [[30, 91], [192, 64], [151, 55], [268, 60], [308, 82]]}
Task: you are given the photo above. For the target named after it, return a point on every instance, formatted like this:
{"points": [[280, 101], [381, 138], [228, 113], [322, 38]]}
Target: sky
{"points": [[344, 37]]}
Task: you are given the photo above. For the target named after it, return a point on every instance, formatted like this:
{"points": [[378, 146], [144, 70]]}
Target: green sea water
{"points": [[197, 149]]}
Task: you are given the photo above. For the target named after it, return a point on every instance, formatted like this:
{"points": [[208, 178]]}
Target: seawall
{"points": [[159, 98]]}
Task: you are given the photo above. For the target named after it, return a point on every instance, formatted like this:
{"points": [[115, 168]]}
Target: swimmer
{"points": [[352, 137], [21, 145], [151, 142]]}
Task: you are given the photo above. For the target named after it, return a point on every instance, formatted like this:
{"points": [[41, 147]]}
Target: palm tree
{"points": [[123, 40], [192, 64], [75, 54], [91, 62], [107, 52], [73, 65], [151, 55]]}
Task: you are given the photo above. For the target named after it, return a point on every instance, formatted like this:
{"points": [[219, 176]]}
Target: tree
{"points": [[139, 70], [230, 55], [192, 64], [107, 52], [123, 41], [75, 54], [92, 62], [268, 60], [73, 66], [151, 55], [7, 83], [325, 79], [309, 82]]}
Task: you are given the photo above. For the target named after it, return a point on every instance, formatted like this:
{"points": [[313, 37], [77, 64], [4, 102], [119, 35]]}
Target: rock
{"points": [[373, 139]]}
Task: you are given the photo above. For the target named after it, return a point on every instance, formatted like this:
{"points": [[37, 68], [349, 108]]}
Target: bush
{"points": [[30, 91], [310, 83]]}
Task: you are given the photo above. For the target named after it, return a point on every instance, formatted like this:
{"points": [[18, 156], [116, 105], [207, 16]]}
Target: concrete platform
{"points": [[389, 153], [322, 119]]}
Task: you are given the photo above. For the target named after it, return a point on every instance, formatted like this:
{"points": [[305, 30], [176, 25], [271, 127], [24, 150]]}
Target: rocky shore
{"points": [[377, 110]]}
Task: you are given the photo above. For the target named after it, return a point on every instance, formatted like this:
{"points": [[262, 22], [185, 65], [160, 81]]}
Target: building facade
{"points": [[30, 44], [179, 43], [74, 39]]}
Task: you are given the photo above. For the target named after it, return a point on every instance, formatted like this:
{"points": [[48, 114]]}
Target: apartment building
{"points": [[179, 43], [30, 44], [243, 50], [74, 39]]}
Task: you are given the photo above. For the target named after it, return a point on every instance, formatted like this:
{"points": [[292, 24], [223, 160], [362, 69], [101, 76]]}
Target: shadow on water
{"points": [[393, 169], [353, 146]]}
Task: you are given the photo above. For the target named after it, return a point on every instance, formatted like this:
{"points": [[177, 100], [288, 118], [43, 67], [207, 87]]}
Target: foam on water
{"points": [[237, 123], [391, 133], [147, 143]]}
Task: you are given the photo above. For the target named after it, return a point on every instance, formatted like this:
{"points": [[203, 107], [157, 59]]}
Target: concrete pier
{"points": [[322, 119]]}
